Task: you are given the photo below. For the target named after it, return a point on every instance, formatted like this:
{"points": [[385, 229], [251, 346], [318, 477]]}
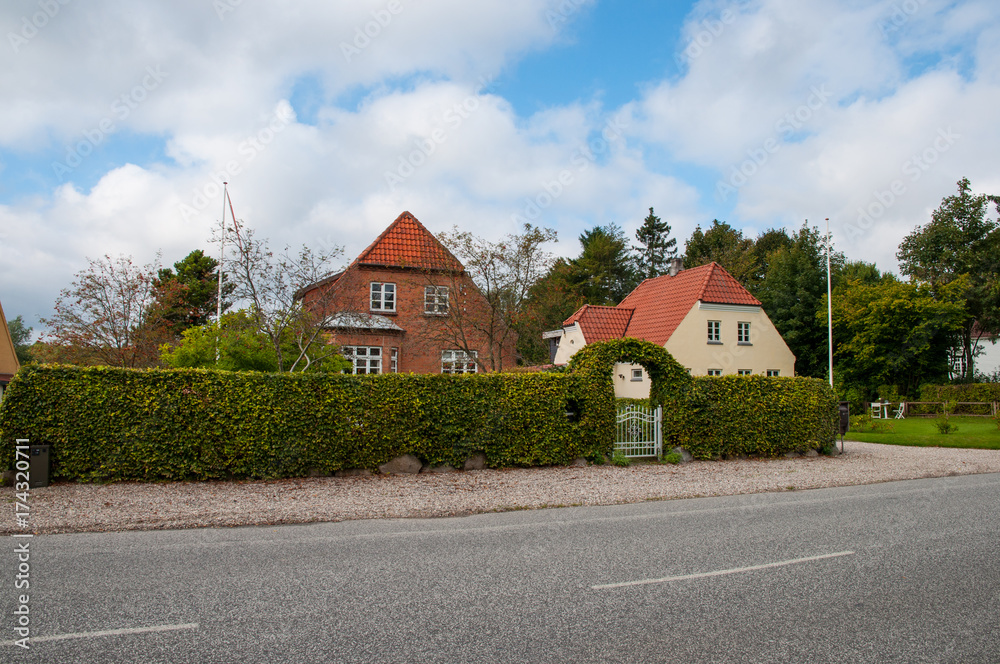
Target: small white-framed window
{"points": [[436, 300], [383, 296], [744, 372], [365, 359], [458, 362], [394, 360], [743, 333], [636, 374], [715, 372], [715, 331], [773, 373]]}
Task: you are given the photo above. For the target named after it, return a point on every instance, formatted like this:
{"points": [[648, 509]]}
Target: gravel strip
{"points": [[66, 508]]}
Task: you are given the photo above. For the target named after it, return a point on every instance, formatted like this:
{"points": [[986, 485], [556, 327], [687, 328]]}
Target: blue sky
{"points": [[119, 121]]}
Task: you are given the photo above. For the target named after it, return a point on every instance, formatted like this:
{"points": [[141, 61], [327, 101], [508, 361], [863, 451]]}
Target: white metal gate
{"points": [[639, 431]]}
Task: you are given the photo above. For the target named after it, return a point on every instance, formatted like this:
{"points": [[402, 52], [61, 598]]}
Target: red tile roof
{"points": [[661, 303], [657, 306], [600, 323], [406, 243]]}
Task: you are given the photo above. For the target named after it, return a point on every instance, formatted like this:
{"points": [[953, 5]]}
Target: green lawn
{"points": [[977, 432]]}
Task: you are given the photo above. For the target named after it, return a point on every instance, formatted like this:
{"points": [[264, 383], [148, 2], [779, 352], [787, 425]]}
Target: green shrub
{"points": [[944, 425], [619, 459], [985, 393], [119, 424], [735, 415], [672, 458]]}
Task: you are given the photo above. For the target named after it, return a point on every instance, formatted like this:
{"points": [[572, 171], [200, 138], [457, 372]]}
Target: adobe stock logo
{"points": [[121, 109], [913, 168], [37, 21]]}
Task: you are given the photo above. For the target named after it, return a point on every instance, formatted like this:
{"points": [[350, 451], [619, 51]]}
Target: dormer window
{"points": [[383, 296]]}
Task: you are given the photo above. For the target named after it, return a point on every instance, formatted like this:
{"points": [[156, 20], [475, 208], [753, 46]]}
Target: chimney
{"points": [[676, 265]]}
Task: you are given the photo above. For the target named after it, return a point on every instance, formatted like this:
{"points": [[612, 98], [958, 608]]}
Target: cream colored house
{"points": [[708, 321], [8, 358]]}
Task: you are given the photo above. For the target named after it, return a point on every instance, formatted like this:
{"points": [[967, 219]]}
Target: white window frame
{"points": [[364, 359], [743, 333], [454, 361], [715, 331], [744, 372], [636, 375], [773, 373], [436, 300], [382, 296], [393, 360], [715, 372]]}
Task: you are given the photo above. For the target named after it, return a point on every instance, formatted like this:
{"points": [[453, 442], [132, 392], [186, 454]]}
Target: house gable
{"points": [[406, 295], [8, 358], [661, 303]]}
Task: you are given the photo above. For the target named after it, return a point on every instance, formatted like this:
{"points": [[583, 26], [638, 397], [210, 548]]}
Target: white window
{"points": [[636, 374], [435, 299], [458, 361], [715, 372], [744, 372], [394, 360], [773, 373], [714, 331], [743, 333], [366, 359], [383, 296]]}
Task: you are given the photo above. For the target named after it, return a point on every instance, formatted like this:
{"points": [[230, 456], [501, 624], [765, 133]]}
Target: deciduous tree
{"points": [[269, 284], [960, 240], [504, 272], [106, 316]]}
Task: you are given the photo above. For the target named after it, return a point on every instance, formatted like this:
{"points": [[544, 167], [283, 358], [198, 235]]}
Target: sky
{"points": [[119, 121]]}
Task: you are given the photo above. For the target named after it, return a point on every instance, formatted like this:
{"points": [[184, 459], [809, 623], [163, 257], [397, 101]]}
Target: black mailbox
{"points": [[38, 464], [845, 417]]}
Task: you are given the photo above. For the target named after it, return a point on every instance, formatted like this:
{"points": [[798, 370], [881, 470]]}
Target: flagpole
{"points": [[222, 257], [829, 299]]}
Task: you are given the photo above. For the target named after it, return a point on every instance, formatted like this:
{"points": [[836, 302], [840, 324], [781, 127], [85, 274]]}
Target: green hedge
{"points": [[734, 415], [117, 424], [983, 392]]}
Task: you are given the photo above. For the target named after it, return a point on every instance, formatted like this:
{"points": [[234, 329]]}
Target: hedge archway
{"points": [[669, 379]]}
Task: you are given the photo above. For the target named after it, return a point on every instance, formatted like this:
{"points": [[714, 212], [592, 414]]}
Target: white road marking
{"points": [[109, 632], [722, 572]]}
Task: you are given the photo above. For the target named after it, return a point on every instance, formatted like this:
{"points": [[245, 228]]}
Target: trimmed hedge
{"points": [[108, 424], [982, 392], [670, 381], [734, 415], [712, 417]]}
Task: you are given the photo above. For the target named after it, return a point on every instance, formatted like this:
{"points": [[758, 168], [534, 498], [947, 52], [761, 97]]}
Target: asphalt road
{"points": [[900, 572]]}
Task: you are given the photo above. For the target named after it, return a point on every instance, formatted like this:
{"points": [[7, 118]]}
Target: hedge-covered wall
{"points": [[734, 415], [720, 416], [119, 424]]}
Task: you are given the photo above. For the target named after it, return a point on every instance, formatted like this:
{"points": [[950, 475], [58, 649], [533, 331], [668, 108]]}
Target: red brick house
{"points": [[406, 304]]}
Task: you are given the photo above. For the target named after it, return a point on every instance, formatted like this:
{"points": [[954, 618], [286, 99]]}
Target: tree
{"points": [[106, 316], [235, 344], [270, 284], [189, 296], [960, 241], [21, 336], [657, 247], [726, 246], [792, 294], [604, 273], [893, 333], [504, 272]]}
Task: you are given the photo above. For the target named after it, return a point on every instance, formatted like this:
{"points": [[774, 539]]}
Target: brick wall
{"points": [[425, 335]]}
